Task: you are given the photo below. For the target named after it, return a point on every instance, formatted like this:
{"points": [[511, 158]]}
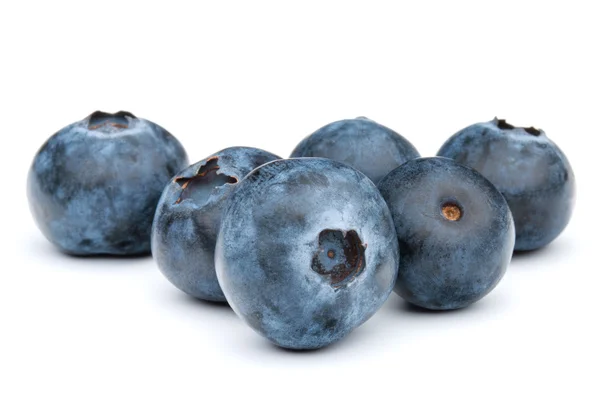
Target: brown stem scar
{"points": [[451, 211]]}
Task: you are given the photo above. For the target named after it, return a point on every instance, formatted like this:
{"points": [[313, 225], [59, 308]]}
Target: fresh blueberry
{"points": [[306, 251], [188, 217], [94, 185], [455, 232], [361, 143], [530, 171]]}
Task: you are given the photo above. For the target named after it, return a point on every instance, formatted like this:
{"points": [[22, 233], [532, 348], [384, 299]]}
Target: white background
{"points": [[266, 74]]}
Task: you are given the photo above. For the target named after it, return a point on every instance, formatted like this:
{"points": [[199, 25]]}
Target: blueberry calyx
{"points": [[502, 124], [206, 179], [532, 131], [119, 119], [340, 257]]}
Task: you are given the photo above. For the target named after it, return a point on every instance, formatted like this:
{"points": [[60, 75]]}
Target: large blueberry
{"points": [[530, 171], [94, 185], [361, 143], [455, 232], [188, 217], [306, 252]]}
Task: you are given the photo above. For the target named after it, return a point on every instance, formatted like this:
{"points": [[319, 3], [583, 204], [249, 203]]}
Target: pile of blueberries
{"points": [[308, 248]]}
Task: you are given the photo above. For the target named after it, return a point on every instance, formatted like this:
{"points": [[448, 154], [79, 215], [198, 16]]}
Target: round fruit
{"points": [[361, 143], [188, 217], [306, 252], [530, 171], [94, 185], [455, 232]]}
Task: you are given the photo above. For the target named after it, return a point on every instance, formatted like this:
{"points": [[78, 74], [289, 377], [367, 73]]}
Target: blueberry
{"points": [[306, 251], [361, 143], [94, 185], [529, 169], [455, 232], [188, 217]]}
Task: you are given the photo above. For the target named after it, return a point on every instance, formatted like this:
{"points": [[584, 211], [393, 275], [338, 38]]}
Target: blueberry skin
{"points": [[188, 217], [94, 185], [361, 143], [455, 232], [530, 171], [306, 252]]}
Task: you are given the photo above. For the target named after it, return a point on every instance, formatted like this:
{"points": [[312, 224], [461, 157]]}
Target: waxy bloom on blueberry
{"points": [[361, 143], [455, 232], [529, 169], [188, 217], [306, 252], [94, 185]]}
